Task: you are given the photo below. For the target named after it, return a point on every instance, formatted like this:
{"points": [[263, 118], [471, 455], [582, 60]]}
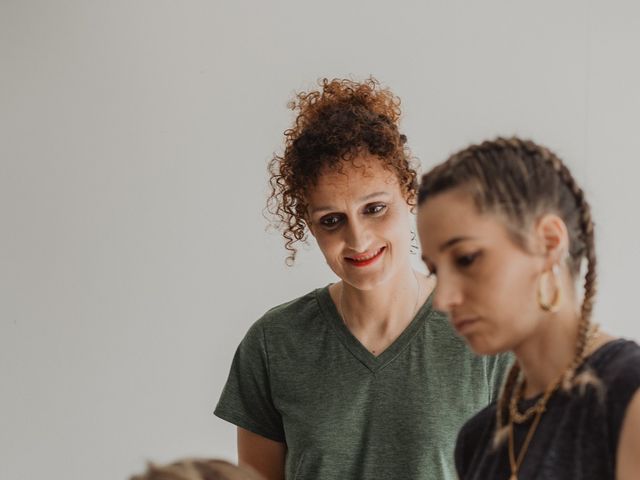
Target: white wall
{"points": [[134, 139]]}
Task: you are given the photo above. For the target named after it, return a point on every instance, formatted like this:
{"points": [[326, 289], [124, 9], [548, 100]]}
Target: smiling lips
{"points": [[366, 258]]}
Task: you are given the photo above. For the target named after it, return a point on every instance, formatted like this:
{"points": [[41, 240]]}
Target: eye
{"points": [[465, 261], [331, 222], [375, 208]]}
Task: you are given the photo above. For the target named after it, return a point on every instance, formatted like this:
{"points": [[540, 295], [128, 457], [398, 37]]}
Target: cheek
{"points": [[395, 226], [511, 292], [329, 243]]}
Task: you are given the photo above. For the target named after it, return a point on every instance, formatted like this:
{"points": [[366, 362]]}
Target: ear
{"points": [[553, 239]]}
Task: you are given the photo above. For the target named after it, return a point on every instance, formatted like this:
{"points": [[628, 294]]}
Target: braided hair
{"points": [[522, 181]]}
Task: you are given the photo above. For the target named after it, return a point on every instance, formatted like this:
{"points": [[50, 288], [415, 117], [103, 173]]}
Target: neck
{"points": [[547, 353], [383, 308]]}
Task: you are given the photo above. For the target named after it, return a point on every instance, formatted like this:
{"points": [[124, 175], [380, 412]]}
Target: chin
{"points": [[367, 280], [363, 284], [482, 346]]}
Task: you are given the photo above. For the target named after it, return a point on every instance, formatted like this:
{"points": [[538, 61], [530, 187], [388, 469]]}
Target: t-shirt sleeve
{"points": [[499, 366], [622, 373], [246, 399]]}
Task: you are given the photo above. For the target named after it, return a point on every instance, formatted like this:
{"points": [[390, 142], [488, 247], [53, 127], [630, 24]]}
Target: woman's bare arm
{"points": [[628, 462], [263, 455]]}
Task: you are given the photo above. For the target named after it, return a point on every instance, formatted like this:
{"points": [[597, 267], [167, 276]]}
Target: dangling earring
{"points": [[413, 247], [554, 304]]}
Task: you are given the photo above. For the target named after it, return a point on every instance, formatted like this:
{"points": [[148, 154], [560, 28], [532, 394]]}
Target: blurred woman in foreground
{"points": [[505, 229]]}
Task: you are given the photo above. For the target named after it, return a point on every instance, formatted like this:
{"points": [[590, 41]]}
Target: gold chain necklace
{"points": [[537, 409], [513, 462]]}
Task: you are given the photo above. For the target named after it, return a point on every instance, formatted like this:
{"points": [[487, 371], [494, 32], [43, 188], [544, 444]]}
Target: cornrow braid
{"points": [[587, 228], [502, 407], [523, 180]]}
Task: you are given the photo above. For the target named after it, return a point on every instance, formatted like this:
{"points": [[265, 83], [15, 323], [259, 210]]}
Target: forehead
{"points": [[362, 175], [454, 214], [448, 207]]}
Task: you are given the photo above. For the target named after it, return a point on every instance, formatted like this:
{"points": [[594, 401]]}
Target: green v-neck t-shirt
{"points": [[300, 377]]}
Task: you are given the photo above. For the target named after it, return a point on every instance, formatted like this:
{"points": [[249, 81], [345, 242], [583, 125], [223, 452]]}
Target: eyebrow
{"points": [[451, 242], [448, 244], [329, 208]]}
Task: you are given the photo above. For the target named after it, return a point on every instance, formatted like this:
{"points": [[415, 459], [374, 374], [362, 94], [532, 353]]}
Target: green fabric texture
{"points": [[300, 377]]}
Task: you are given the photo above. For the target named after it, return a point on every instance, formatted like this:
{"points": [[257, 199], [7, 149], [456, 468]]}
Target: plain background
{"points": [[133, 151]]}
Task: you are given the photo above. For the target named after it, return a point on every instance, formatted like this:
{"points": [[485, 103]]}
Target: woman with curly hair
{"points": [[361, 379], [506, 230]]}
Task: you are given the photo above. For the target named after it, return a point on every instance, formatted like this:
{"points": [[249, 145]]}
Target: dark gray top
{"points": [[577, 437], [300, 377]]}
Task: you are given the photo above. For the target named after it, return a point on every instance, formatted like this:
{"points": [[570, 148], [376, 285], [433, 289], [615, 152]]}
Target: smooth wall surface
{"points": [[134, 141]]}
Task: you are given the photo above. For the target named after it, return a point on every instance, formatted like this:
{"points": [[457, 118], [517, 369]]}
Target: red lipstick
{"points": [[365, 259]]}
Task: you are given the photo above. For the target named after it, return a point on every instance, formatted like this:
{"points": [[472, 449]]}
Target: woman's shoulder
{"points": [[293, 308], [616, 366], [294, 315], [617, 363], [614, 371]]}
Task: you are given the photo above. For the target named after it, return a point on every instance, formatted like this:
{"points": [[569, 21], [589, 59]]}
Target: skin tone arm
{"points": [[628, 462], [263, 455]]}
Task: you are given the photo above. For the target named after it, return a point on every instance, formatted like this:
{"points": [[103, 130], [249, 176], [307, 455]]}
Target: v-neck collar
{"points": [[357, 349]]}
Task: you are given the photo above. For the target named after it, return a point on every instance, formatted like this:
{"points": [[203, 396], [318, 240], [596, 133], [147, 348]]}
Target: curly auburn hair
{"points": [[334, 124]]}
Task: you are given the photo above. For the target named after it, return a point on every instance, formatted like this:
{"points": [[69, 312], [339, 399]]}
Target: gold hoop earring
{"points": [[554, 304]]}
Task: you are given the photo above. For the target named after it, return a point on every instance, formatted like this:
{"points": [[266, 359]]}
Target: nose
{"points": [[447, 295], [357, 236]]}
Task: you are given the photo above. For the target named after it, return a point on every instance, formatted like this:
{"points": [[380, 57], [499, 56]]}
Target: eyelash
{"points": [[465, 261], [462, 261], [331, 222], [375, 209]]}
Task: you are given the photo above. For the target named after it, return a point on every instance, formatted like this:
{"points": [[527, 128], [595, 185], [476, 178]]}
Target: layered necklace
{"points": [[536, 410]]}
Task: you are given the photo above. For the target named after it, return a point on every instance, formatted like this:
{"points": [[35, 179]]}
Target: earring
{"points": [[413, 247], [554, 304]]}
